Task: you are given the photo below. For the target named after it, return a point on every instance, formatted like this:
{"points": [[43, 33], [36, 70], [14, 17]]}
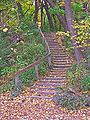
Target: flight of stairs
{"points": [[61, 61]]}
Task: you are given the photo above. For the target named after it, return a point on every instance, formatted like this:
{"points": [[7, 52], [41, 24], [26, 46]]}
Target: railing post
{"points": [[18, 86], [49, 61], [36, 72]]}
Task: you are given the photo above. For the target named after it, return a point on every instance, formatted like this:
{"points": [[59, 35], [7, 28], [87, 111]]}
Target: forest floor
{"points": [[36, 102]]}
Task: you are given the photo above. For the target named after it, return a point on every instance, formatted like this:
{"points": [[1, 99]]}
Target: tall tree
{"points": [[60, 17], [48, 15], [69, 18], [36, 11]]}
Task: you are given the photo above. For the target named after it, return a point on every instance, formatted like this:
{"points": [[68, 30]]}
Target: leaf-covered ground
{"points": [[26, 108]]}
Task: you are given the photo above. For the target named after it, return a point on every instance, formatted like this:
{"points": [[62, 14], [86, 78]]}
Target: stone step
{"points": [[45, 88], [50, 42], [62, 54], [53, 45], [52, 81], [58, 70], [50, 84], [56, 49], [60, 60], [58, 75], [59, 57], [54, 78], [41, 97], [60, 63], [56, 52], [61, 66], [47, 93]]}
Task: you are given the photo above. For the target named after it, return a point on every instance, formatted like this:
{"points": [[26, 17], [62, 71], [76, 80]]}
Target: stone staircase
{"points": [[46, 87]]}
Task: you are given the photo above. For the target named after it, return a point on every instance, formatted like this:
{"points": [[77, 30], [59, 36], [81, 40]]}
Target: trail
{"points": [[36, 102]]}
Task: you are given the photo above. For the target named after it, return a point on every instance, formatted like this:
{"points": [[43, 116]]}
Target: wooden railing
{"points": [[33, 65]]}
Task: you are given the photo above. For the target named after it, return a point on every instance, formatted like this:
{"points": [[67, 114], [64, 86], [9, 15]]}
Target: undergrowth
{"points": [[76, 94], [15, 55]]}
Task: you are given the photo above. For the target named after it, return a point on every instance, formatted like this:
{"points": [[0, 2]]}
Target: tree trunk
{"points": [[42, 14], [69, 19], [61, 18], [48, 15], [20, 10], [55, 23], [36, 12]]}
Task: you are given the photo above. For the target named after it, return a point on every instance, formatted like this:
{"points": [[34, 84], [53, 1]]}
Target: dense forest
{"points": [[24, 51]]}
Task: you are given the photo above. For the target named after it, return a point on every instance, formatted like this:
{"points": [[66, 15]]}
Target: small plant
{"points": [[71, 101], [17, 55], [85, 83], [76, 93]]}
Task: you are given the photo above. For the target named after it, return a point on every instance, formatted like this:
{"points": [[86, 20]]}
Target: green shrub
{"points": [[15, 56], [75, 94], [85, 83]]}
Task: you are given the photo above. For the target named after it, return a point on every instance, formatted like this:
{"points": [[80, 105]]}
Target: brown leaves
{"points": [[24, 107]]}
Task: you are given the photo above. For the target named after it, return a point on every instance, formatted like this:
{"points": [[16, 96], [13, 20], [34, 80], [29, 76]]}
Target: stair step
{"points": [[47, 93], [61, 66], [58, 75], [52, 81], [61, 62], [41, 97], [56, 49], [50, 84], [60, 55], [59, 52], [54, 78], [58, 70], [50, 42], [59, 58], [46, 88]]}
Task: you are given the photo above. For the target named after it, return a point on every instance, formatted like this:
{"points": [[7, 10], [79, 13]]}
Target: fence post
{"points": [[36, 72]]}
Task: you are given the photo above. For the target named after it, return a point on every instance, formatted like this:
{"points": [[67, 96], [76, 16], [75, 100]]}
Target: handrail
{"points": [[35, 64], [31, 65], [48, 49], [38, 61]]}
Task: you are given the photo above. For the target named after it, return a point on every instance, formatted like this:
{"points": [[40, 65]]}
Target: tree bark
{"points": [[69, 19], [36, 12], [48, 15], [42, 14], [55, 23], [61, 18]]}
